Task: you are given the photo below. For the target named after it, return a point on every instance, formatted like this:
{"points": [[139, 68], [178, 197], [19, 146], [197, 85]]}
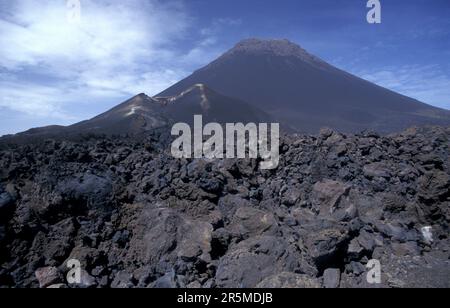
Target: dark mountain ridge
{"points": [[143, 114], [307, 93], [261, 81]]}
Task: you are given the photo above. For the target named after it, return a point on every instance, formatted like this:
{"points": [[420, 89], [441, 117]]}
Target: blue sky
{"points": [[57, 71]]}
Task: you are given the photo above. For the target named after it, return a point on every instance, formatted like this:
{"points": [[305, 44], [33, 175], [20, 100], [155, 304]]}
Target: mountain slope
{"points": [[138, 114], [142, 114], [200, 100], [307, 93]]}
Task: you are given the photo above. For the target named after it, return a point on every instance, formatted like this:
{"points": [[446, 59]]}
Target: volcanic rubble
{"points": [[134, 216]]}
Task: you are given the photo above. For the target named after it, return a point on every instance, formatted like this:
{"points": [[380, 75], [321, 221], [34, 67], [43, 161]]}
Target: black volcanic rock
{"points": [[136, 217], [305, 92]]}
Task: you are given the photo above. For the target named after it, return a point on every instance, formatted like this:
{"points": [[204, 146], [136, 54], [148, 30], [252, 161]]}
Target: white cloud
{"points": [[114, 51], [39, 32], [209, 46], [218, 24], [40, 101]]}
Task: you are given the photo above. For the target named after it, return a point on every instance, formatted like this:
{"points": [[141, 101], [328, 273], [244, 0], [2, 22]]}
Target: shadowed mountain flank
{"points": [[305, 92]]}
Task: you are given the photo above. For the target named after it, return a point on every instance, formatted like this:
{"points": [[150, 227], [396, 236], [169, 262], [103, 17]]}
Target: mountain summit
{"points": [[261, 81], [279, 48], [304, 92]]}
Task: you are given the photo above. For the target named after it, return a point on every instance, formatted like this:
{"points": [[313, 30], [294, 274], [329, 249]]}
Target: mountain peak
{"points": [[141, 96], [274, 47], [256, 43], [302, 91], [140, 99]]}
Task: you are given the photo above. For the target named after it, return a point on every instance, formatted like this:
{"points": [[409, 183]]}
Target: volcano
{"points": [[144, 113], [261, 81], [302, 91]]}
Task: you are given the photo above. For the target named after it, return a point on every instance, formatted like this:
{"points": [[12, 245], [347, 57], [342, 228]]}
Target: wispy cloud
{"points": [[217, 25], [427, 83], [210, 42], [40, 101], [47, 62]]}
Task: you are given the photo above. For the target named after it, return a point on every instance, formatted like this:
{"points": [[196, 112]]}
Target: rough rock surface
{"points": [[136, 217]]}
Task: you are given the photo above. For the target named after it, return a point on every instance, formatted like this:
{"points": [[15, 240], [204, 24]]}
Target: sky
{"points": [[61, 67]]}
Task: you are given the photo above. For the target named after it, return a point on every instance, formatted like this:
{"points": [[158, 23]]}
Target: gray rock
{"points": [[289, 281], [87, 281], [433, 185], [324, 244], [251, 261], [291, 196], [47, 276], [395, 232], [366, 240], [122, 280], [209, 284], [406, 249], [165, 282], [357, 268], [327, 194], [230, 203], [165, 233], [92, 189], [331, 278], [380, 170], [57, 286], [249, 221], [355, 250], [194, 285]]}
